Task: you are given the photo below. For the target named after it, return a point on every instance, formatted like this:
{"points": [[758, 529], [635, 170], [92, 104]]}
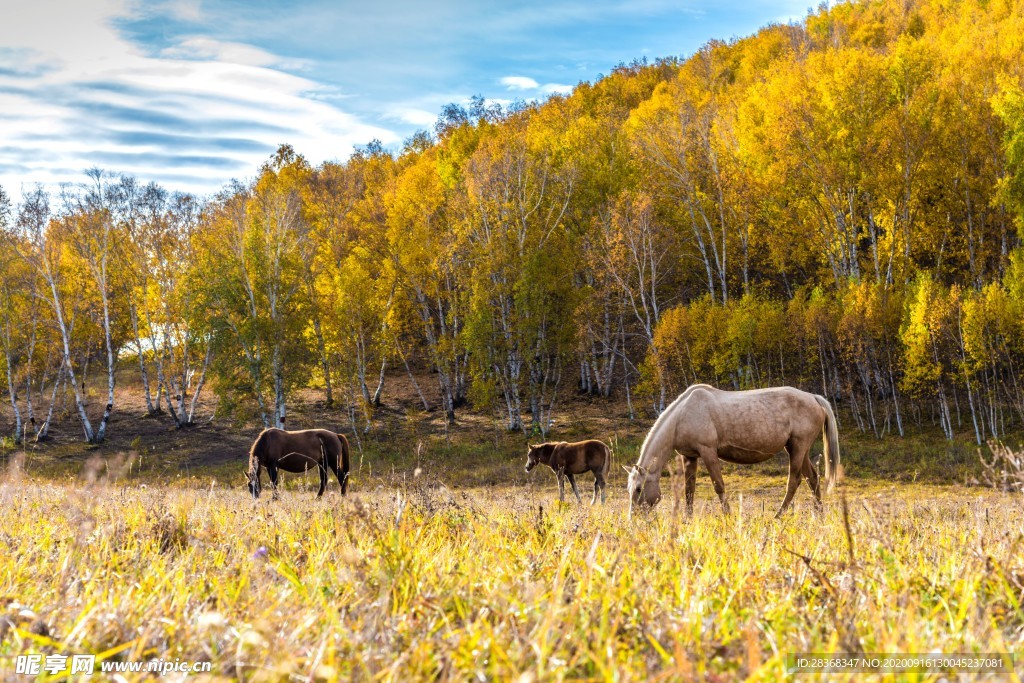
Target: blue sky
{"points": [[192, 93]]}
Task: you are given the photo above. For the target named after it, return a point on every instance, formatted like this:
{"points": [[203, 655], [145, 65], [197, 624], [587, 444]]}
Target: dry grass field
{"points": [[448, 562], [409, 578]]}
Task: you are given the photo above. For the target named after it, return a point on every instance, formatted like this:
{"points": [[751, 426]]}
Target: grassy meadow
{"points": [[415, 577]]}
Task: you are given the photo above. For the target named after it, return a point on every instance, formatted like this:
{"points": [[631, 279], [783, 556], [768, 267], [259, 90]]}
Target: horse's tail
{"points": [[830, 437], [607, 462], [344, 463]]}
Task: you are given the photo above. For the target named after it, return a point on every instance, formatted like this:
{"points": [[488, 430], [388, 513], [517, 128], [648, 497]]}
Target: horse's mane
{"points": [[663, 419], [656, 428], [256, 451]]}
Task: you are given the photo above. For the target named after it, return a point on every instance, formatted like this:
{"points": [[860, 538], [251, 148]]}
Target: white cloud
{"points": [[197, 114], [519, 83], [527, 83]]}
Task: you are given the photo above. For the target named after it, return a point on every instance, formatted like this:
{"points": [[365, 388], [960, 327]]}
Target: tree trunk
{"points": [[166, 384], [14, 399], [69, 368], [380, 384], [199, 383], [101, 433], [412, 378], [58, 382], [150, 410], [361, 363], [29, 356], [279, 398]]}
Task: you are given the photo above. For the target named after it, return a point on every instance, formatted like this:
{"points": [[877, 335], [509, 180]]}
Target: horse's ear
{"points": [[642, 470], [530, 446], [628, 470]]}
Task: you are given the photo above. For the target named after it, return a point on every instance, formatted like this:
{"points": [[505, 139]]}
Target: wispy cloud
{"points": [[192, 92], [200, 109], [207, 49]]}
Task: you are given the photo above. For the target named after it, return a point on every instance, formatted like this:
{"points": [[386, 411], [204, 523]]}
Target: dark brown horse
{"points": [[298, 451], [569, 459]]}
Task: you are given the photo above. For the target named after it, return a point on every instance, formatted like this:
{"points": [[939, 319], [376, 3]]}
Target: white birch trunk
{"points": [[13, 393], [194, 400], [380, 383], [65, 335], [279, 398], [101, 433], [29, 357], [144, 375], [412, 378], [58, 382]]}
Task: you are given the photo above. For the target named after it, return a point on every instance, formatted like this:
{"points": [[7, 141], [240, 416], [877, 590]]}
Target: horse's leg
{"points": [[333, 463], [560, 473], [572, 480], [272, 471], [690, 477], [812, 480], [797, 455], [338, 475], [714, 466], [323, 479], [597, 485]]}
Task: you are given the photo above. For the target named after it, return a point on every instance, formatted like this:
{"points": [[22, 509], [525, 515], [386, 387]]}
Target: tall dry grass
{"points": [[415, 581]]}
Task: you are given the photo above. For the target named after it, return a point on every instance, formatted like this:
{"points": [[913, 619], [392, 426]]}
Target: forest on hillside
{"points": [[834, 204]]}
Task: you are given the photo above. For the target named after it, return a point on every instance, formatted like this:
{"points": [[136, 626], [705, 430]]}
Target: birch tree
{"points": [[177, 337], [250, 260], [91, 231], [427, 262], [45, 245], [521, 289]]}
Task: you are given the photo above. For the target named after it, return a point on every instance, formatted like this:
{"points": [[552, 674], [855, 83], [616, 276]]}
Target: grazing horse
{"points": [[743, 427], [569, 459], [299, 451]]}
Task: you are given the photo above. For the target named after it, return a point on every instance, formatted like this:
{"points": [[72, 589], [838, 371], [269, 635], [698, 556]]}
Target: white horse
{"points": [[744, 427]]}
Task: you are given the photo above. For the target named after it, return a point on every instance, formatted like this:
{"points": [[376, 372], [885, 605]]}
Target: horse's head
{"points": [[643, 487], [537, 455], [254, 486]]}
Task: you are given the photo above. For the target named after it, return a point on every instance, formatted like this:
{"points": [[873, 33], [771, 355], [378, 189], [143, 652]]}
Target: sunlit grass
{"points": [[414, 580]]}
